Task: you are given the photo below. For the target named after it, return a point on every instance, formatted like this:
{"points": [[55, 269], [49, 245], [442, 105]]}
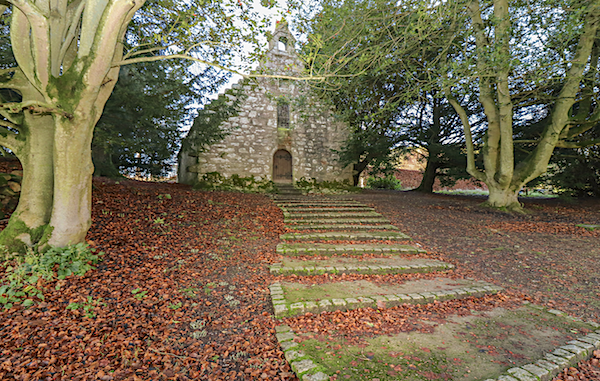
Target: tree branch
{"points": [[462, 113], [233, 71], [9, 140], [584, 144], [35, 107]]}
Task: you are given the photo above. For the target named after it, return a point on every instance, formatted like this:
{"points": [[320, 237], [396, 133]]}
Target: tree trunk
{"points": [[73, 168], [504, 198], [358, 170], [27, 223], [429, 176]]}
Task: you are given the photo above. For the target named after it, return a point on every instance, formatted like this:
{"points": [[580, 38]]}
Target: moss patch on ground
{"points": [[480, 346]]}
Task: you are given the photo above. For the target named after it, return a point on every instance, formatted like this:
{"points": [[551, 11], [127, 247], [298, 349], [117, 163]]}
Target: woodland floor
{"points": [[182, 292]]}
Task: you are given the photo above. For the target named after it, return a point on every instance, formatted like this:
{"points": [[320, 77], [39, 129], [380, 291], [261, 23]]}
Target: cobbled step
{"points": [[311, 205], [343, 227], [343, 296], [307, 216], [354, 266], [342, 235], [292, 249], [342, 221], [329, 209]]}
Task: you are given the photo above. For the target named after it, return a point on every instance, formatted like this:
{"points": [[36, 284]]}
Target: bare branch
{"points": [[254, 75], [9, 139], [5, 123], [584, 144], [34, 107]]}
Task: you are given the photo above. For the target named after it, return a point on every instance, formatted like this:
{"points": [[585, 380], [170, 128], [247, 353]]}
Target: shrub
{"points": [[22, 276], [387, 182], [324, 187], [215, 181]]}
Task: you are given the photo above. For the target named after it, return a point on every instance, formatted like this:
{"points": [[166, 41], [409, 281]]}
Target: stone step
{"points": [[293, 249], [342, 235], [307, 216], [291, 299], [329, 209], [311, 204], [342, 227], [340, 265], [342, 221]]}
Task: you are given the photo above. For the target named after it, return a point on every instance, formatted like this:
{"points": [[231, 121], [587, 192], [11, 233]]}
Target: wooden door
{"points": [[282, 167]]}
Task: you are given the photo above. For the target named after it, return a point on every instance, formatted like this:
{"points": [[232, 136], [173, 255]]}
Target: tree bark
{"points": [[73, 169], [429, 176], [32, 214]]}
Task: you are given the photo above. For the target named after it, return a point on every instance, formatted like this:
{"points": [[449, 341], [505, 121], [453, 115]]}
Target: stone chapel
{"points": [[279, 131]]}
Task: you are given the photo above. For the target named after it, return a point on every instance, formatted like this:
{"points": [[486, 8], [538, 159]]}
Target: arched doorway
{"points": [[282, 167]]}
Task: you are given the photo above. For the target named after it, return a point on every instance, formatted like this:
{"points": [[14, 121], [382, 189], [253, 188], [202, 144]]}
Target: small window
{"points": [[283, 115], [282, 44]]}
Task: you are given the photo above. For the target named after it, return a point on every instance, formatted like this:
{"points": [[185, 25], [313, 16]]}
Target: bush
{"points": [[309, 186], [22, 278], [387, 182], [215, 181]]}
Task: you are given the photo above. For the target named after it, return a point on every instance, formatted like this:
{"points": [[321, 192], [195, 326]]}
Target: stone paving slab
{"points": [[307, 216], [367, 220], [392, 265], [496, 345], [342, 235], [330, 209], [291, 299], [342, 227], [291, 249]]}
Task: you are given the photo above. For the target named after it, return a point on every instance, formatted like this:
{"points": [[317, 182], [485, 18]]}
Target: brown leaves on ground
{"points": [[182, 293]]}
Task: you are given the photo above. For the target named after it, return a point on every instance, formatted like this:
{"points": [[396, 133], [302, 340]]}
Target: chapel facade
{"points": [[279, 132]]}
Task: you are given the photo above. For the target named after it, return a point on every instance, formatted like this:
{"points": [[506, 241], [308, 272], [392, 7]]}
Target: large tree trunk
{"points": [[504, 198], [73, 168], [27, 223]]}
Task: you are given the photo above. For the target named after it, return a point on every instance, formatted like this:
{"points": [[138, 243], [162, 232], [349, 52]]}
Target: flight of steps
{"points": [[343, 230]]}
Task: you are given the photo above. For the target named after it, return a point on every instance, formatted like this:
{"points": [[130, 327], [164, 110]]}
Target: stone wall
{"points": [[311, 136]]}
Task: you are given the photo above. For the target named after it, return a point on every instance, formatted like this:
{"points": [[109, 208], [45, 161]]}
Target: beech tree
{"points": [[68, 54], [510, 56]]}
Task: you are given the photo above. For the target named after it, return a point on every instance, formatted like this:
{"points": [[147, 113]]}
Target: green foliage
{"points": [[24, 276], [208, 127], [215, 181], [386, 182], [139, 131], [87, 306], [312, 186], [10, 188], [139, 294], [576, 172]]}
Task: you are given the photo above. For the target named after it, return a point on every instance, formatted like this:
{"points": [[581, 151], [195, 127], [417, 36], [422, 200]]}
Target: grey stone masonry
{"points": [[341, 235], [342, 227], [341, 221], [332, 249], [328, 209], [374, 301], [308, 216], [279, 123], [422, 267], [568, 355]]}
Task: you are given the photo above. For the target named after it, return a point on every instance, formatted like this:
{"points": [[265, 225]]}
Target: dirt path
{"points": [[543, 254]]}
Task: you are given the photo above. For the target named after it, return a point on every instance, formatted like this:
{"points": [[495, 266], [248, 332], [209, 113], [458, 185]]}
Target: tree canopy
{"points": [[68, 56], [509, 57]]}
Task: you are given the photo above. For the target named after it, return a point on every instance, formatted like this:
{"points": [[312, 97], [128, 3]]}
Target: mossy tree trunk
{"points": [[65, 83]]}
